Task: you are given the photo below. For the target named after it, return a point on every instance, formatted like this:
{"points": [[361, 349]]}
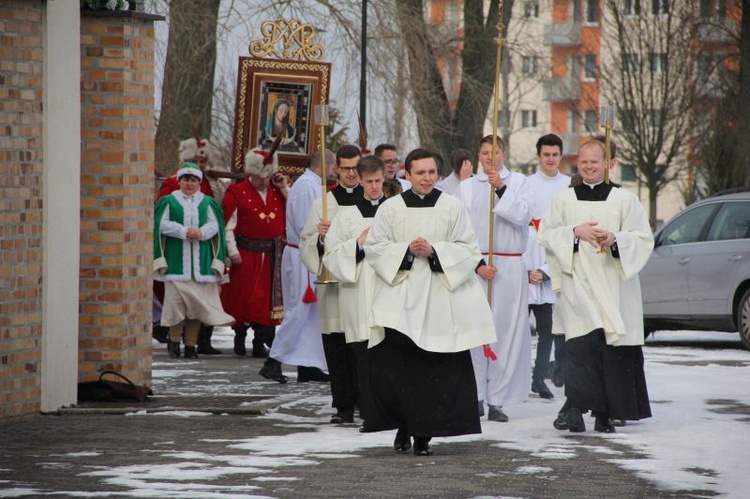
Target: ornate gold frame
{"points": [[311, 81]]}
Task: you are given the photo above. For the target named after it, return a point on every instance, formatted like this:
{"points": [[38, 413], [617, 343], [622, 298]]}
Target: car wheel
{"points": [[743, 319]]}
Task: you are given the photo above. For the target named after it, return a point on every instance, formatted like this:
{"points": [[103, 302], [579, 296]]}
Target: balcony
{"points": [[563, 35], [562, 89]]}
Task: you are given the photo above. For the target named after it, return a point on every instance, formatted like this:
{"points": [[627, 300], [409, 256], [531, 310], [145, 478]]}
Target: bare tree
{"points": [[188, 86], [648, 78]]}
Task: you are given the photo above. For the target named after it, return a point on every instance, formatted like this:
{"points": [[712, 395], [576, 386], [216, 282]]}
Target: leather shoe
{"points": [[540, 388], [272, 370], [190, 352], [305, 374], [422, 446], [561, 422], [575, 420], [240, 334], [402, 442], [343, 416], [174, 349], [604, 425], [496, 414]]}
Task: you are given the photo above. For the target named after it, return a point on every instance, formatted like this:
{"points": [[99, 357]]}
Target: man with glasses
{"points": [[341, 361], [389, 155]]}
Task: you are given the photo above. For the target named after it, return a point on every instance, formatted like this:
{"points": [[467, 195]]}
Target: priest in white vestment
{"points": [[504, 381], [341, 360], [345, 259], [598, 238], [427, 311], [298, 341]]}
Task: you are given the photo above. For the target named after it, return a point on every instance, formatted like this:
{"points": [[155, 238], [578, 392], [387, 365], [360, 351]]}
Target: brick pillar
{"points": [[117, 134], [21, 117]]}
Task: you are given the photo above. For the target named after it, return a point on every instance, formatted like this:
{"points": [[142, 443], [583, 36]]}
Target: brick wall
{"points": [[20, 206], [117, 133]]}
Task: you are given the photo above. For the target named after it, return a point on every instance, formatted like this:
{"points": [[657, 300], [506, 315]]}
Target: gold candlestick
{"points": [[321, 119]]}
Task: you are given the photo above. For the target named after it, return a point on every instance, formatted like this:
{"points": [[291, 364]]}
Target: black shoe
{"points": [[239, 341], [575, 421], [496, 414], [259, 349], [402, 442], [305, 374], [617, 422], [272, 370], [540, 388], [422, 446], [174, 349], [160, 333], [604, 425], [343, 416], [561, 422], [191, 352]]}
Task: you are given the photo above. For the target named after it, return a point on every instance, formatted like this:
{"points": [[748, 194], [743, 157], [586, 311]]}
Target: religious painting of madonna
{"points": [[275, 98]]}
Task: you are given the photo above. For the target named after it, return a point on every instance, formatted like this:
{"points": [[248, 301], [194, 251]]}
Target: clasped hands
{"points": [[194, 234], [420, 247], [598, 238]]}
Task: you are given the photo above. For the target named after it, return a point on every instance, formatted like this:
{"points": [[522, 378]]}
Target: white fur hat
{"points": [[192, 148], [257, 162]]}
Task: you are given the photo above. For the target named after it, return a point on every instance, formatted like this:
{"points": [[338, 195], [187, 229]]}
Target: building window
{"points": [[631, 62], [529, 65], [528, 118], [574, 122], [658, 62], [627, 173], [632, 7], [530, 9], [590, 69], [660, 7], [628, 118], [590, 121], [655, 118], [577, 12], [592, 11]]}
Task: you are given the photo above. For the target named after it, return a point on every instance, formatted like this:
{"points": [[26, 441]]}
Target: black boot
{"points": [[603, 424], [204, 341], [272, 370], [191, 352], [305, 374], [575, 420], [240, 333], [262, 335], [173, 347], [343, 416]]}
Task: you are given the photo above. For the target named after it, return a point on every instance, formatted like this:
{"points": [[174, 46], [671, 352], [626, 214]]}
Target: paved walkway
{"points": [[220, 430]]}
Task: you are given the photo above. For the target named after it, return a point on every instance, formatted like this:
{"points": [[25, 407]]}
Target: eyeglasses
{"points": [[394, 161], [347, 169]]}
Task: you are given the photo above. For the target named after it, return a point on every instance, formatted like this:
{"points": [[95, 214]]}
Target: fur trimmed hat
{"points": [[189, 169], [195, 148], [258, 162]]}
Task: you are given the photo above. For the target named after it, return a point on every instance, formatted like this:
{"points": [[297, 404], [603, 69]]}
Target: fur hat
{"points": [[192, 147], [257, 162], [189, 169]]}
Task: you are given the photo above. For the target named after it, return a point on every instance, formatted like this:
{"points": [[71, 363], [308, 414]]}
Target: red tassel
{"points": [[309, 296], [535, 222], [489, 353]]}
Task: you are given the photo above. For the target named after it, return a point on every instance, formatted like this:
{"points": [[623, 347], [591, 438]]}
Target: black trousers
{"points": [[543, 315], [342, 368]]}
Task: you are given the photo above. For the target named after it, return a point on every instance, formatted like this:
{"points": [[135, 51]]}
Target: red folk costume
{"points": [[255, 229]]}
